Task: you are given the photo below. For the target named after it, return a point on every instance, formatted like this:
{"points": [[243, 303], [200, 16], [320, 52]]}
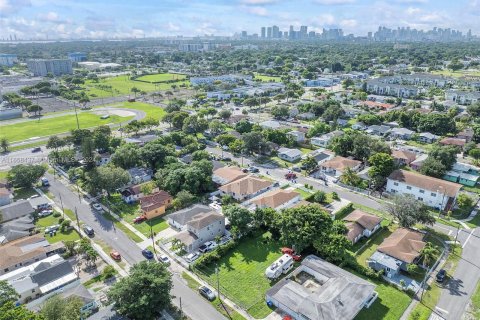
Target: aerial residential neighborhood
{"points": [[239, 160]]}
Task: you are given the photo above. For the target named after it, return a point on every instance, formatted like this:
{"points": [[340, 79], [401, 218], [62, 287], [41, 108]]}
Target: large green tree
{"points": [[409, 211], [58, 308], [144, 293], [240, 219], [25, 175]]}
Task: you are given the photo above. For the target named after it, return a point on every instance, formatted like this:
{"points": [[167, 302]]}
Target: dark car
{"points": [[147, 253], [207, 293], [253, 170], [441, 275], [36, 149], [88, 230], [228, 159]]}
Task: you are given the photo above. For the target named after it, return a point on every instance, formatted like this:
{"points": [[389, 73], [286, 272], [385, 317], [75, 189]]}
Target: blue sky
{"points": [[121, 18]]}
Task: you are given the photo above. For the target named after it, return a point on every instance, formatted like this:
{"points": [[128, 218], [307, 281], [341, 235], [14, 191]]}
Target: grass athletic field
{"points": [[49, 126], [150, 110], [162, 77], [266, 78], [122, 85]]}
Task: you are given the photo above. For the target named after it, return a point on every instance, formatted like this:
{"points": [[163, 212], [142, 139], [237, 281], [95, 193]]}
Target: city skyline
{"points": [[41, 19]]}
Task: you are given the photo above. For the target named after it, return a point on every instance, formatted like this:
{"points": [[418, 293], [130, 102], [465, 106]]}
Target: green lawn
{"points": [[23, 193], [390, 304], [266, 78], [158, 224], [162, 77], [303, 193], [475, 303], [123, 228], [242, 273], [33, 128], [27, 146], [363, 254], [122, 85], [3, 175], [151, 110], [458, 74], [59, 236], [194, 285]]}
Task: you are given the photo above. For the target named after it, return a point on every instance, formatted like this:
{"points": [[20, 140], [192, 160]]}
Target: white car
{"points": [[164, 259], [97, 207], [192, 257]]}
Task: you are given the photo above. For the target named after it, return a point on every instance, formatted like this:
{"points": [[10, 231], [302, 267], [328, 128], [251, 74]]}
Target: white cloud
{"points": [[348, 23], [334, 2], [258, 11], [13, 6], [411, 1], [172, 27], [257, 2], [326, 19], [411, 10]]}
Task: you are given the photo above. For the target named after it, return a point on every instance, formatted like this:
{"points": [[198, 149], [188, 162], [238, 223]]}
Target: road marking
{"points": [[441, 310], [468, 238]]}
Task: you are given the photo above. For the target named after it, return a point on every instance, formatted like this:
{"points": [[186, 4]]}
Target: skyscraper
{"points": [[263, 32], [303, 32], [269, 32], [275, 31]]}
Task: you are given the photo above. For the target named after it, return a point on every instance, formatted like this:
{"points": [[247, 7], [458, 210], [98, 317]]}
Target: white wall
{"points": [[430, 198]]}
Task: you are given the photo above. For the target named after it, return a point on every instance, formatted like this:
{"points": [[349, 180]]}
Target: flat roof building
{"points": [[43, 67]]}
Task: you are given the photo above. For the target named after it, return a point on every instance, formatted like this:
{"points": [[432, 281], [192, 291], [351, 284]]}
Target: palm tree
{"points": [[428, 254], [4, 144], [349, 177]]}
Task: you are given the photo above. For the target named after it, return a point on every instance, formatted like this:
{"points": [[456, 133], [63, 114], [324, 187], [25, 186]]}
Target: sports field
{"points": [[458, 74], [266, 78], [162, 77], [122, 85], [45, 127], [150, 110]]}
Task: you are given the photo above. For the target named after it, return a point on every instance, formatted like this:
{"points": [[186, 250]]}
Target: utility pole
{"points": [[78, 190], [458, 230], [61, 203], [153, 240], [76, 216], [76, 114]]}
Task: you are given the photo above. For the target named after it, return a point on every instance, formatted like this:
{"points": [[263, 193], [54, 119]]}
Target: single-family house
{"points": [[433, 192], [320, 290], [246, 187], [417, 163], [463, 173], [324, 140], [139, 175], [361, 224], [155, 204], [378, 130], [397, 251], [321, 156], [82, 293], [466, 134], [134, 193], [342, 122], [359, 126], [297, 136], [39, 203], [102, 159], [290, 155], [401, 133], [427, 137], [270, 124], [337, 166], [203, 227], [403, 157], [179, 219], [16, 229], [276, 199], [6, 196], [376, 105], [306, 116], [41, 277], [453, 142], [16, 210], [226, 175], [25, 251]]}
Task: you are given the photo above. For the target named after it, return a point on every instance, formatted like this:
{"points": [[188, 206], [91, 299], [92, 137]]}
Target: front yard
{"points": [[70, 235], [242, 273]]}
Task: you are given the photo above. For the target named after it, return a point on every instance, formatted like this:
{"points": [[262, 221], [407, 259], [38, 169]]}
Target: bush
{"points": [[108, 272], [61, 219], [319, 197], [214, 255], [56, 214], [335, 196]]}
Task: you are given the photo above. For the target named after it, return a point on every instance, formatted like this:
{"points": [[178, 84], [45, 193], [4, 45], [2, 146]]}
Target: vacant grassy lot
{"points": [[162, 77], [242, 273], [266, 78], [59, 236], [122, 85], [49, 126], [371, 245]]}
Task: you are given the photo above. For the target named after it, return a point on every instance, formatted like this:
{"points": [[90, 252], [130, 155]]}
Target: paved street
{"points": [[193, 304]]}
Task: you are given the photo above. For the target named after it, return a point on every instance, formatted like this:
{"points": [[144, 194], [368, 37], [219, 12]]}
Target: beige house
{"points": [[338, 165], [276, 199], [361, 224], [246, 188], [226, 175]]}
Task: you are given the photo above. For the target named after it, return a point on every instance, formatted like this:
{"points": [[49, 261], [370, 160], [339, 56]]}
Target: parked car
{"points": [[36, 149], [290, 176], [253, 169], [115, 255], [192, 257], [139, 219], [147, 254], [45, 182], [207, 246], [88, 230], [245, 170], [45, 213], [97, 206], [207, 293], [164, 259], [296, 169], [52, 228], [441, 275], [228, 159]]}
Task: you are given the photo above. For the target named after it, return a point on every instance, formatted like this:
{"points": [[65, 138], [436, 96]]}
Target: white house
{"points": [[140, 175], [297, 136], [433, 192], [427, 137], [361, 224], [270, 124], [179, 219], [201, 228], [324, 140], [401, 133], [290, 155], [134, 193]]}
